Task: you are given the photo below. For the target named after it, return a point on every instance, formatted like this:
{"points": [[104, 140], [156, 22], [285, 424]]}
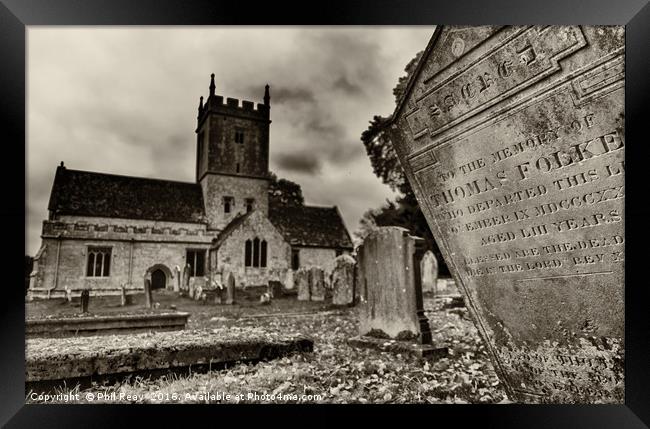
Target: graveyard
{"points": [[337, 371], [520, 185]]}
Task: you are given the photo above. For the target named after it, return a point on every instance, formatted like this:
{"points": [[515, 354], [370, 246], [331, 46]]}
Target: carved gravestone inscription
{"points": [[513, 140]]}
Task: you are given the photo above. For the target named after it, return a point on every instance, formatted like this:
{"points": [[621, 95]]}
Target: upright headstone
{"points": [[85, 298], [389, 301], [275, 289], [230, 289], [122, 295], [429, 270], [288, 279], [177, 283], [186, 278], [513, 141], [148, 299], [342, 280], [317, 284], [302, 283]]}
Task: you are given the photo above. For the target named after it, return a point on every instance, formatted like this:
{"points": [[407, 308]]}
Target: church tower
{"points": [[232, 156]]}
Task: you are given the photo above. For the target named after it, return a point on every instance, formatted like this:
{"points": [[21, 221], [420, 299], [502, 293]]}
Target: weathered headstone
{"points": [[122, 295], [230, 289], [513, 141], [302, 283], [148, 299], [317, 284], [177, 283], [342, 280], [275, 289], [391, 313], [186, 278], [288, 280], [85, 298], [429, 270], [388, 302]]}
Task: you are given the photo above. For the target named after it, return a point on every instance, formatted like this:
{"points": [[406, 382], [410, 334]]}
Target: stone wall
{"points": [[216, 187], [230, 255], [136, 246], [317, 257]]}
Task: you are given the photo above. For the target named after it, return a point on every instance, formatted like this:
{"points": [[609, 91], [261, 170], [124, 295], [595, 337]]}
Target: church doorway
{"points": [[158, 279]]}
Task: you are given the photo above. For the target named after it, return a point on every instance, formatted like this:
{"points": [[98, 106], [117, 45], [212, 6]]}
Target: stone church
{"points": [[105, 232]]}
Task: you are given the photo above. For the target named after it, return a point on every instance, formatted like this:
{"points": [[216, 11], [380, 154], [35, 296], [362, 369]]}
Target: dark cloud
{"points": [[124, 101], [280, 95], [343, 84], [303, 162]]}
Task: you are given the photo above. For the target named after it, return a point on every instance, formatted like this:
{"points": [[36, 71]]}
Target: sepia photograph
{"points": [[314, 214]]}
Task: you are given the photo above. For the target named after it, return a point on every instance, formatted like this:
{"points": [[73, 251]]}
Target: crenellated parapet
{"points": [[84, 230], [233, 106]]}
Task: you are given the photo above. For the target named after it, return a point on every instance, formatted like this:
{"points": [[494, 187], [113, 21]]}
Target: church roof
{"points": [[310, 226], [84, 193]]}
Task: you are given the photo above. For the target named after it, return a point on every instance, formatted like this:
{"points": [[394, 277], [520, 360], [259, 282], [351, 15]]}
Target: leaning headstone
{"points": [[513, 140], [230, 289], [429, 270], [148, 299], [317, 284], [302, 283], [85, 298], [342, 280]]}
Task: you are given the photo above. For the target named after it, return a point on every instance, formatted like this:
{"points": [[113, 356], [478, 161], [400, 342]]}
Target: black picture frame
{"points": [[15, 15]]}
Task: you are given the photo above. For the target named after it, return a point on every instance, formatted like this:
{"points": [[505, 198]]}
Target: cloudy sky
{"points": [[124, 100]]}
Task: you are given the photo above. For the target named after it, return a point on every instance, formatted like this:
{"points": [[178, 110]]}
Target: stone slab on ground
{"points": [[91, 325], [50, 359], [395, 346]]}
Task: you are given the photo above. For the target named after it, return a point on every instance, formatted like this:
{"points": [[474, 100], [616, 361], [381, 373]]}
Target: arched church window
{"points": [[255, 253], [263, 254], [248, 250]]}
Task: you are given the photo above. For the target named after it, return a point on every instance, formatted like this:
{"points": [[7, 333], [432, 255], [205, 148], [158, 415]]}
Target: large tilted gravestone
{"points": [[513, 141], [342, 280], [429, 270], [391, 313]]}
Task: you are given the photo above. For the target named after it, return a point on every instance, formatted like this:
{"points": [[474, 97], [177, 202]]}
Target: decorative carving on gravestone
{"points": [[85, 298], [342, 280], [429, 270], [302, 283], [391, 306], [317, 284], [514, 147]]}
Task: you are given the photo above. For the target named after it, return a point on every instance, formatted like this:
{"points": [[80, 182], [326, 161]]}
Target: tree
{"points": [[285, 192], [404, 211]]}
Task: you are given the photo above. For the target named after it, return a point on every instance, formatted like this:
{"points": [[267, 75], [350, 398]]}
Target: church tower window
{"points": [[239, 137], [228, 202], [250, 204]]}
